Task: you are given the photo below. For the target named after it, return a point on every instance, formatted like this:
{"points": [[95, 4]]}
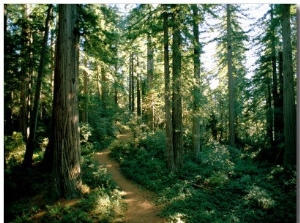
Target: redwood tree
{"points": [[66, 163], [289, 110]]}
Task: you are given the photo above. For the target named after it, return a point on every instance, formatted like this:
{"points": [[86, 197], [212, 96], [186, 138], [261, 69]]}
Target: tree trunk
{"points": [[66, 167], [269, 112], [168, 117], [25, 73], [138, 94], [176, 96], [230, 81], [196, 93], [150, 70], [130, 83], [8, 125], [104, 90], [289, 110], [85, 93], [35, 111]]}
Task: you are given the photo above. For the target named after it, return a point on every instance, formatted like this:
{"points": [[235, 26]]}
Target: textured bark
{"points": [[35, 111], [196, 93], [177, 85], [230, 81], [168, 117], [289, 109], [66, 167]]}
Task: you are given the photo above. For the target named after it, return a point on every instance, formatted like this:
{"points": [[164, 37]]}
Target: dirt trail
{"points": [[139, 206]]}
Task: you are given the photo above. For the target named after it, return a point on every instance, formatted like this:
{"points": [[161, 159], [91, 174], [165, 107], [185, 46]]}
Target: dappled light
{"points": [[150, 113]]}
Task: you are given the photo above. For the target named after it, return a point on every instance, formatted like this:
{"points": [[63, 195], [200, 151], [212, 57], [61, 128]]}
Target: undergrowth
{"points": [[27, 189], [226, 185]]}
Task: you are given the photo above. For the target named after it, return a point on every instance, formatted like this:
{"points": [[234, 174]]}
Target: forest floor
{"points": [[140, 202]]}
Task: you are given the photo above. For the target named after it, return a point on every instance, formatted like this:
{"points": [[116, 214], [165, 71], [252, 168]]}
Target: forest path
{"points": [[140, 208]]}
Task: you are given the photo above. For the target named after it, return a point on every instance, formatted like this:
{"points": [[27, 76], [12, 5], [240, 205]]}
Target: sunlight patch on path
{"points": [[139, 206]]}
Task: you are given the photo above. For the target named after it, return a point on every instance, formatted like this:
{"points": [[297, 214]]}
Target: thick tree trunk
{"points": [[35, 111], [196, 93], [230, 81], [176, 96], [66, 167], [168, 117], [289, 110]]}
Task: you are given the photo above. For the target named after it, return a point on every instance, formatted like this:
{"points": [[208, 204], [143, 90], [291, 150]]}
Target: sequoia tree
{"points": [[66, 163], [289, 110]]}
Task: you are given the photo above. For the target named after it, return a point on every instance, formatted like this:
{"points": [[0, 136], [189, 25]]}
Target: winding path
{"points": [[140, 209]]}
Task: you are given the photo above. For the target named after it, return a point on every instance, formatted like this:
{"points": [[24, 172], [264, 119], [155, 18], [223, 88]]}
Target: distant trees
{"points": [[36, 103]]}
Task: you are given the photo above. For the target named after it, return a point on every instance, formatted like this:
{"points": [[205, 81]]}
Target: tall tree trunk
{"points": [[104, 90], [130, 83], [176, 96], [277, 114], [168, 117], [196, 93], [116, 87], [150, 70], [35, 111], [269, 112], [25, 69], [85, 93], [230, 81], [138, 93], [289, 110], [8, 126], [66, 167]]}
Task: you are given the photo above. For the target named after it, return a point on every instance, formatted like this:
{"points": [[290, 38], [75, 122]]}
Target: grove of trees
{"points": [[143, 66]]}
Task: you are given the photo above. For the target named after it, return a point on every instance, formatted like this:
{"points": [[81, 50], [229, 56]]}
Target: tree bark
{"points": [[230, 81], [130, 83], [150, 71], [168, 117], [8, 125], [35, 111], [176, 96], [25, 70], [289, 109], [196, 93], [66, 167], [138, 93]]}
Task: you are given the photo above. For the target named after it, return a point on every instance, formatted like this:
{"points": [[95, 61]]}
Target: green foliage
{"points": [[225, 186], [14, 149]]}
